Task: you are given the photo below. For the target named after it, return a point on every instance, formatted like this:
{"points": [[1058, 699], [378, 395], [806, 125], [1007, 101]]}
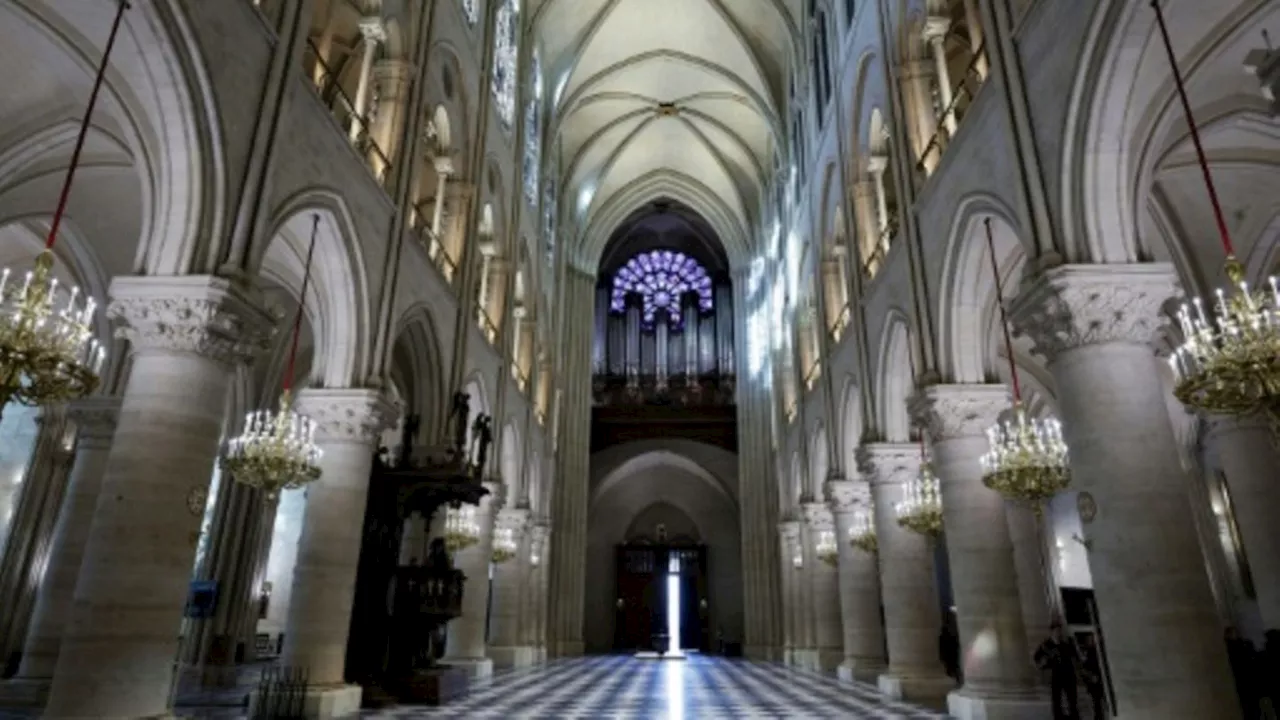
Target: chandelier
{"points": [[277, 450], [1027, 459], [47, 350], [862, 533], [826, 549], [504, 545], [1229, 361], [460, 528], [920, 509]]}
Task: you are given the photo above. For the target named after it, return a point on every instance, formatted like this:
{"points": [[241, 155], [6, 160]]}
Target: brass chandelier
{"points": [[1027, 459], [461, 530], [862, 533], [47, 350], [825, 548], [504, 545], [277, 450], [1229, 361], [920, 509]]}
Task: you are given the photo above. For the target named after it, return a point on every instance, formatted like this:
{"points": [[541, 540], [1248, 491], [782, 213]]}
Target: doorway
{"points": [[661, 593]]}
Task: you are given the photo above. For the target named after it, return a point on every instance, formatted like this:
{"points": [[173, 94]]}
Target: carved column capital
{"points": [[95, 418], [348, 416], [957, 411], [846, 497], [516, 519], [817, 516], [1071, 306], [373, 29], [790, 531], [199, 314], [888, 463]]}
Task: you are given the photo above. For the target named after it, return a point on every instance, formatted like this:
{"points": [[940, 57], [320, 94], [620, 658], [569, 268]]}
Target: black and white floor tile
{"points": [[700, 688]]}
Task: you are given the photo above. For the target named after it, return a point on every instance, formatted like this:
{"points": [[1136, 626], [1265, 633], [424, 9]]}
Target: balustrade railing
{"points": [[812, 375], [487, 327], [432, 243], [874, 260], [971, 81], [842, 323], [342, 107]]}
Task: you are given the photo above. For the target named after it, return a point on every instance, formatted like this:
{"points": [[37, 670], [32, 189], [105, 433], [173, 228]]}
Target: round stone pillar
{"points": [[999, 679], [860, 616], [1035, 582], [465, 642], [509, 589], [792, 607], [1248, 459], [348, 425], [95, 420], [1162, 631], [908, 584], [828, 636], [121, 639]]}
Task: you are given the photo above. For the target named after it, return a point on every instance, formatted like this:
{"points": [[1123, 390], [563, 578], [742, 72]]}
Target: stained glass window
{"points": [[661, 278], [506, 59], [471, 10], [549, 218], [533, 133]]}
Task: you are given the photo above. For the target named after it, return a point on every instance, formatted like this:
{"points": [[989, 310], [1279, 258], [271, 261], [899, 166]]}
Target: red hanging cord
{"points": [[1004, 318], [302, 304], [1195, 133], [84, 128]]}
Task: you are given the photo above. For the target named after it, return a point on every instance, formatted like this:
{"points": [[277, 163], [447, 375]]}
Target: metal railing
{"points": [[841, 323], [342, 107], [281, 695], [872, 263], [811, 377], [971, 81], [487, 327], [432, 243]]}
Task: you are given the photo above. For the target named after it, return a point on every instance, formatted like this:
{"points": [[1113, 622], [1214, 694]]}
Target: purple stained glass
{"points": [[661, 278]]}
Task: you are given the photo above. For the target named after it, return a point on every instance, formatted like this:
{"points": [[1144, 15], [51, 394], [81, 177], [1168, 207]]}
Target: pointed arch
{"points": [[894, 382]]}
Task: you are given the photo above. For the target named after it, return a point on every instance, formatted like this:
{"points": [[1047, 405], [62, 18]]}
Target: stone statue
{"points": [[458, 415], [485, 438]]}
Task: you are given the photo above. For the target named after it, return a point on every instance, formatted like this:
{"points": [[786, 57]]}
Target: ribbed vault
{"points": [[654, 98]]}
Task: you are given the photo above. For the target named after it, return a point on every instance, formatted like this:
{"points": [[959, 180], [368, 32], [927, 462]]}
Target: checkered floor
{"points": [[700, 688]]}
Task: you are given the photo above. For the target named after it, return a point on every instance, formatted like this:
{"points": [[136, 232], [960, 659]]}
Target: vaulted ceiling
{"points": [[665, 98]]}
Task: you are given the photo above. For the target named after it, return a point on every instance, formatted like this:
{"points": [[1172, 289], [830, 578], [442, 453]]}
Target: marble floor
{"points": [[699, 688]]}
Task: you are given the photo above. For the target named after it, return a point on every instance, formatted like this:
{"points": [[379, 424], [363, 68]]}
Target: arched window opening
{"points": [[471, 11], [848, 12], [490, 290], [876, 200], [835, 280], [506, 62], [953, 38], [661, 279], [533, 132], [821, 60]]}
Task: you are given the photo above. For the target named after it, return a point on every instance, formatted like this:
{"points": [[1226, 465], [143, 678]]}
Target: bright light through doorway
{"points": [[673, 612]]}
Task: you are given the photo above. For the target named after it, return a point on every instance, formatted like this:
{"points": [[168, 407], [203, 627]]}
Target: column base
{"points": [[860, 670], [827, 660], [20, 692], [569, 649], [325, 702], [477, 668], [540, 655], [965, 704], [929, 690], [518, 656]]}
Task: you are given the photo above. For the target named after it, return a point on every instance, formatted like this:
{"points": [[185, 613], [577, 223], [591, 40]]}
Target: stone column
{"points": [[95, 420], [392, 80], [833, 291], [908, 585], [860, 616], [1035, 582], [935, 34], [465, 646], [507, 646], [38, 496], [349, 423], [444, 168], [792, 565], [974, 22], [923, 122], [868, 225], [121, 637], [458, 198], [828, 634], [540, 546], [1163, 636], [373, 32], [1249, 460], [999, 679]]}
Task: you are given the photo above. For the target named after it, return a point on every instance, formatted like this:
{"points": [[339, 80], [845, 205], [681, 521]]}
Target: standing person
{"points": [[1059, 656], [1270, 668], [949, 647], [1091, 672]]}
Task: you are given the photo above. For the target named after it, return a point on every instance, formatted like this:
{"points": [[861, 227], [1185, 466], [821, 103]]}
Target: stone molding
{"points": [[817, 516], [848, 496], [1073, 306], [358, 416], [200, 314], [95, 417], [790, 531], [888, 463], [959, 411], [515, 518]]}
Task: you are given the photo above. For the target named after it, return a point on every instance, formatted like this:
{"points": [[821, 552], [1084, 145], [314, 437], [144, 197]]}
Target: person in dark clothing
{"points": [[1244, 667], [949, 648], [1059, 657], [1270, 669], [1091, 674]]}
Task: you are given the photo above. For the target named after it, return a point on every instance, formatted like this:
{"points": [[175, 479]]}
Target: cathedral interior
{"points": [[640, 358]]}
